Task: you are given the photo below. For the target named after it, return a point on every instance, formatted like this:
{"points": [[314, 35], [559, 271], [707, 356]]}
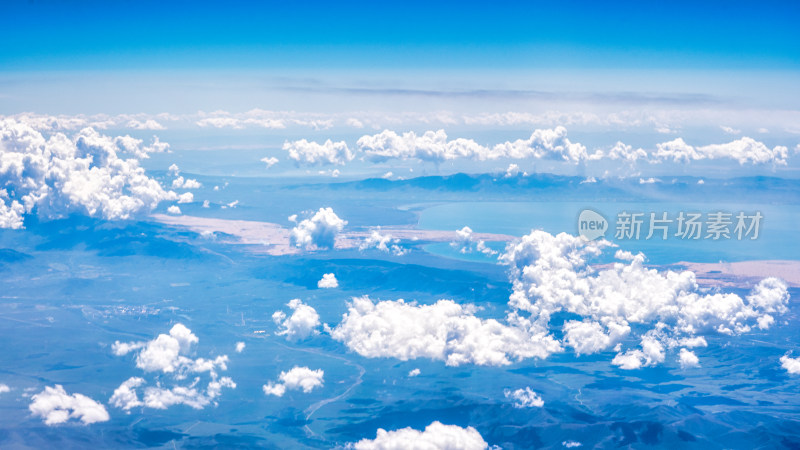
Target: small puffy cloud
{"points": [[382, 242], [174, 169], [355, 123], [298, 378], [524, 398], [186, 197], [148, 124], [444, 331], [435, 436], [792, 365], [55, 406], [414, 373], [571, 444], [181, 183], [4, 388], [729, 130], [240, 347], [301, 324], [175, 210], [269, 161], [125, 396], [465, 243], [162, 398], [303, 152], [328, 281], [688, 359], [318, 231]]}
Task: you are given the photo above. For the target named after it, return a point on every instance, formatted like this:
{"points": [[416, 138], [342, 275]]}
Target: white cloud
{"points": [[175, 210], [303, 152], [382, 242], [524, 398], [730, 130], [125, 396], [571, 444], [743, 150], [240, 347], [269, 161], [4, 388], [688, 359], [328, 281], [792, 365], [181, 183], [465, 243], [84, 173], [174, 169], [220, 122], [301, 324], [186, 197], [435, 436], [551, 274], [166, 355], [319, 231], [148, 124], [55, 406], [414, 373], [296, 379], [443, 331]]}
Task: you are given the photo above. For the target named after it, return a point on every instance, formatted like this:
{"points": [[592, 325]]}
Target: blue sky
{"points": [[47, 35]]}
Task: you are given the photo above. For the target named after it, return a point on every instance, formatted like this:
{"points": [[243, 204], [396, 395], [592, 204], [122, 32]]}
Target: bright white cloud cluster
{"points": [[466, 243], [55, 406], [166, 354], [435, 436], [550, 274], [434, 146], [301, 324], [84, 173], [328, 281], [296, 379], [318, 231], [524, 398], [744, 150], [792, 365], [382, 242], [443, 331], [307, 153]]}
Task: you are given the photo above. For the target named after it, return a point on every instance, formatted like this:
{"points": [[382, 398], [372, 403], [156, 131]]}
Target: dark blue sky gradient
{"points": [[48, 35]]}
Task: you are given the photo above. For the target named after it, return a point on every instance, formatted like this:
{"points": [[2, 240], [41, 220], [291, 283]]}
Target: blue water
{"points": [[777, 235]]}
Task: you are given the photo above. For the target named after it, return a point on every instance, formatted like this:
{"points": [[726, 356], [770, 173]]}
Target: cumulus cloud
{"points": [[148, 124], [84, 173], [382, 242], [466, 243], [524, 398], [181, 183], [687, 359], [318, 231], [414, 373], [301, 324], [303, 152], [296, 379], [269, 161], [443, 331], [435, 436], [551, 274], [792, 365], [328, 281], [55, 406], [175, 210], [240, 347], [744, 150], [186, 197], [4, 388], [167, 355], [434, 146]]}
